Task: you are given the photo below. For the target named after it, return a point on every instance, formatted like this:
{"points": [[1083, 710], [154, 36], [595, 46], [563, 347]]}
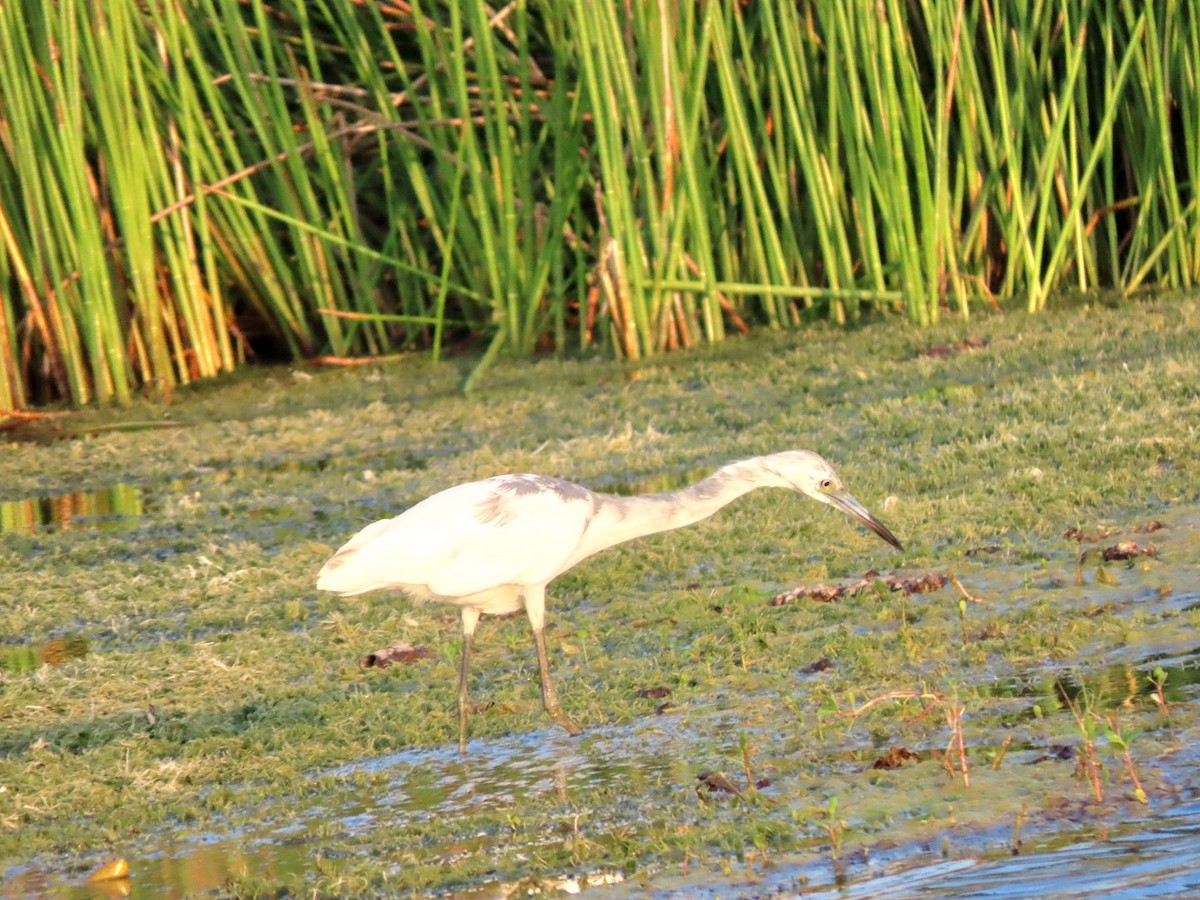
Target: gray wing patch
{"points": [[498, 507]]}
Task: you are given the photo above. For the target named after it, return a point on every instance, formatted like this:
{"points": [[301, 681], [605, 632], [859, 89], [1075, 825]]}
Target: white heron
{"points": [[492, 546]]}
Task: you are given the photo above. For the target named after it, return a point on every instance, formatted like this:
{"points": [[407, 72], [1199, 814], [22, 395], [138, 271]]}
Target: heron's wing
{"points": [[506, 530]]}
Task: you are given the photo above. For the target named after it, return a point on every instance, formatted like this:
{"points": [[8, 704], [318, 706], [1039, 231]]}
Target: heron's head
{"points": [[809, 473]]}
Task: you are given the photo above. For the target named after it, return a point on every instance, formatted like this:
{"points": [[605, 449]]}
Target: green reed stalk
{"points": [[183, 186]]}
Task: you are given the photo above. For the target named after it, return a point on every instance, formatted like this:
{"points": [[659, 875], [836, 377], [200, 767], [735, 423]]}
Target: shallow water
{"points": [[634, 769], [620, 774], [1153, 856], [418, 785], [1158, 855]]}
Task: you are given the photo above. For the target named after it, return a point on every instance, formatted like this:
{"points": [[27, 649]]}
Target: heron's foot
{"points": [[467, 709], [557, 714]]}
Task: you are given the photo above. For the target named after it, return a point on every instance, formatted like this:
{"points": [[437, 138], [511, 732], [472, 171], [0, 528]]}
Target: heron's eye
{"points": [[826, 484]]}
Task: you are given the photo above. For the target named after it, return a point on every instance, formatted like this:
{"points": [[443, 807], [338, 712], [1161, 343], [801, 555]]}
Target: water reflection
{"points": [[222, 867], [125, 504], [1120, 683], [497, 773], [54, 652], [113, 506]]}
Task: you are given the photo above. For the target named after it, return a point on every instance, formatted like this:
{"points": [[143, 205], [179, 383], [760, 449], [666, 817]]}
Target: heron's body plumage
{"points": [[471, 545]]}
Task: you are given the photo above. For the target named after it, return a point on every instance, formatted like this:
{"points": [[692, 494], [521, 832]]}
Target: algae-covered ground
{"points": [[175, 692]]}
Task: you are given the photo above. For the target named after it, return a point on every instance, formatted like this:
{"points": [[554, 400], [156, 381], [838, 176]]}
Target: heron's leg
{"points": [[549, 695], [535, 606], [470, 618]]}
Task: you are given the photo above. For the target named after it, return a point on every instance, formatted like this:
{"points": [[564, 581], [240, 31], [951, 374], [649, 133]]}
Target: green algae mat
{"points": [[772, 700]]}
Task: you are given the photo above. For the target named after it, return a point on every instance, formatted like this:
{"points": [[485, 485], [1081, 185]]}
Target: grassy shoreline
{"points": [[218, 682]]}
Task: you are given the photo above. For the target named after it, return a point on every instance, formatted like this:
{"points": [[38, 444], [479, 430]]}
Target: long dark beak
{"points": [[853, 508]]}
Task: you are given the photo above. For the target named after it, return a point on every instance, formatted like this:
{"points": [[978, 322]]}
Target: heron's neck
{"points": [[620, 519]]}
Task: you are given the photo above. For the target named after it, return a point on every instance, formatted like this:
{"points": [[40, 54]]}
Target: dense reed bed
{"points": [[186, 186]]}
